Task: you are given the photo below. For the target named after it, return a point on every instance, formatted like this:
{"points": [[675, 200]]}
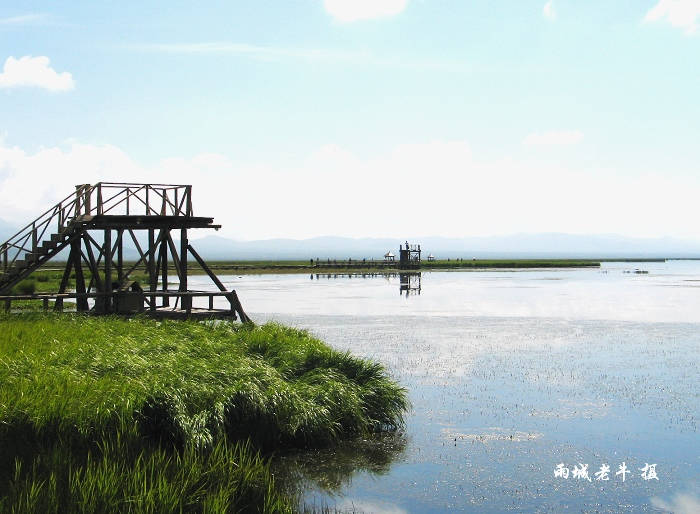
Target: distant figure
{"points": [[311, 262]]}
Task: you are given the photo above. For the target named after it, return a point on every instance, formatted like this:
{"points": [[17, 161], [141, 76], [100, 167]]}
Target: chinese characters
{"points": [[604, 473]]}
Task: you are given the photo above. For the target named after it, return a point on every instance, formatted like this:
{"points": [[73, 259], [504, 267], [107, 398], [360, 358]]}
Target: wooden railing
{"points": [[104, 198], [133, 199]]}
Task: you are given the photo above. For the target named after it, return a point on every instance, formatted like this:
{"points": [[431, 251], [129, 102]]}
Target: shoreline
{"points": [[270, 267]]}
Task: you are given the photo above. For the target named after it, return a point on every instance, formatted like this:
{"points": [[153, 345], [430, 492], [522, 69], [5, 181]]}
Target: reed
{"points": [[117, 415]]}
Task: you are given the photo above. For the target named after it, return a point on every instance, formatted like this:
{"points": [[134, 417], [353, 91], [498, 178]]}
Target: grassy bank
{"points": [[509, 263], [113, 415], [49, 280]]}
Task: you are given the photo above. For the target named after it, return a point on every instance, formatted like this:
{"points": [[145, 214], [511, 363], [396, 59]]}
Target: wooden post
{"points": [[108, 271], [153, 278], [164, 267], [120, 256], [86, 198], [34, 238], [186, 301], [78, 198]]}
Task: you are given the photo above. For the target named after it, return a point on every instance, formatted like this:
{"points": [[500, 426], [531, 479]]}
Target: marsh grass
{"points": [[114, 415], [509, 263]]}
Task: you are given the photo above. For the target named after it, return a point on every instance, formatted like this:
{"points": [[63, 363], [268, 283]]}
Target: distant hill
{"points": [[550, 245]]}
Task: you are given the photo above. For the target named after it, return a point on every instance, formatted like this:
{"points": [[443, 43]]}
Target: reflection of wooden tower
{"points": [[409, 282], [93, 224], [409, 257]]}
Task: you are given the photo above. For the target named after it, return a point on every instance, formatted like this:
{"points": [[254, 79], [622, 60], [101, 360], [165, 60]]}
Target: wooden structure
{"points": [[93, 224], [409, 257]]}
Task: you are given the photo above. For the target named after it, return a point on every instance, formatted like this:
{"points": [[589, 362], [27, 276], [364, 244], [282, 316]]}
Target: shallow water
{"points": [[511, 374]]}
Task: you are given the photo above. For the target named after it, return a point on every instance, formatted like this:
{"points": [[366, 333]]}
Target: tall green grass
{"points": [[114, 415]]}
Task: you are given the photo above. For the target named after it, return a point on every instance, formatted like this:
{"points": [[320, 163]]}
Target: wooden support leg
{"points": [[82, 303], [163, 257], [186, 300], [108, 272], [153, 277], [58, 306], [236, 307]]}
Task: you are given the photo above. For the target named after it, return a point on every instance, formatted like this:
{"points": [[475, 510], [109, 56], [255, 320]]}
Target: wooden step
{"points": [[83, 218], [12, 271]]}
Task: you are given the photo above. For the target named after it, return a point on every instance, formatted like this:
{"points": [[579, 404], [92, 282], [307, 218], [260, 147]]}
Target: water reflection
{"points": [[331, 470], [409, 281]]}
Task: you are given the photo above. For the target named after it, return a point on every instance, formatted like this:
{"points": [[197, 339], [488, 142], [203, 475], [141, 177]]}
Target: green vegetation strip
{"points": [[114, 415], [512, 263]]}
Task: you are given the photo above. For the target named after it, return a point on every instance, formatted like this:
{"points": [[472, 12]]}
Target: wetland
{"points": [[512, 376]]}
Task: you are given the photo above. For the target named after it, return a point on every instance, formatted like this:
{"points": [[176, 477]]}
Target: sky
{"points": [[362, 118]]}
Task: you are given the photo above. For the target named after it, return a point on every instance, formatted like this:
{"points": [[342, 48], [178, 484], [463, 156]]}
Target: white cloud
{"points": [[34, 71], [29, 19], [549, 11], [30, 184], [679, 13], [360, 505], [352, 10], [554, 138], [680, 503]]}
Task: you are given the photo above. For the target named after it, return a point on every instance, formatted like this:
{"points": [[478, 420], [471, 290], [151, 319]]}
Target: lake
{"points": [[532, 391]]}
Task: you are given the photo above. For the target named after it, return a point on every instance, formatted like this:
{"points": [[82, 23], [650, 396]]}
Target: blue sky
{"points": [[362, 118]]}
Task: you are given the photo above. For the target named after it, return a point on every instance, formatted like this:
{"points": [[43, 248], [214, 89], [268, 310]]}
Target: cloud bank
{"points": [[31, 71], [436, 188]]}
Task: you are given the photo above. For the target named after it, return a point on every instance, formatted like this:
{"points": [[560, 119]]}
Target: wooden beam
{"points": [[206, 269]]}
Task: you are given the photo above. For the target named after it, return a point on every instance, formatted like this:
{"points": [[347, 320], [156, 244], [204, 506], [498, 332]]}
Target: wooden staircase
{"points": [[33, 246]]}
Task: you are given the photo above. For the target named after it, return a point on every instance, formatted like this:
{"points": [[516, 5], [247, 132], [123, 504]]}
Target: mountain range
{"points": [[545, 245], [548, 245]]}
